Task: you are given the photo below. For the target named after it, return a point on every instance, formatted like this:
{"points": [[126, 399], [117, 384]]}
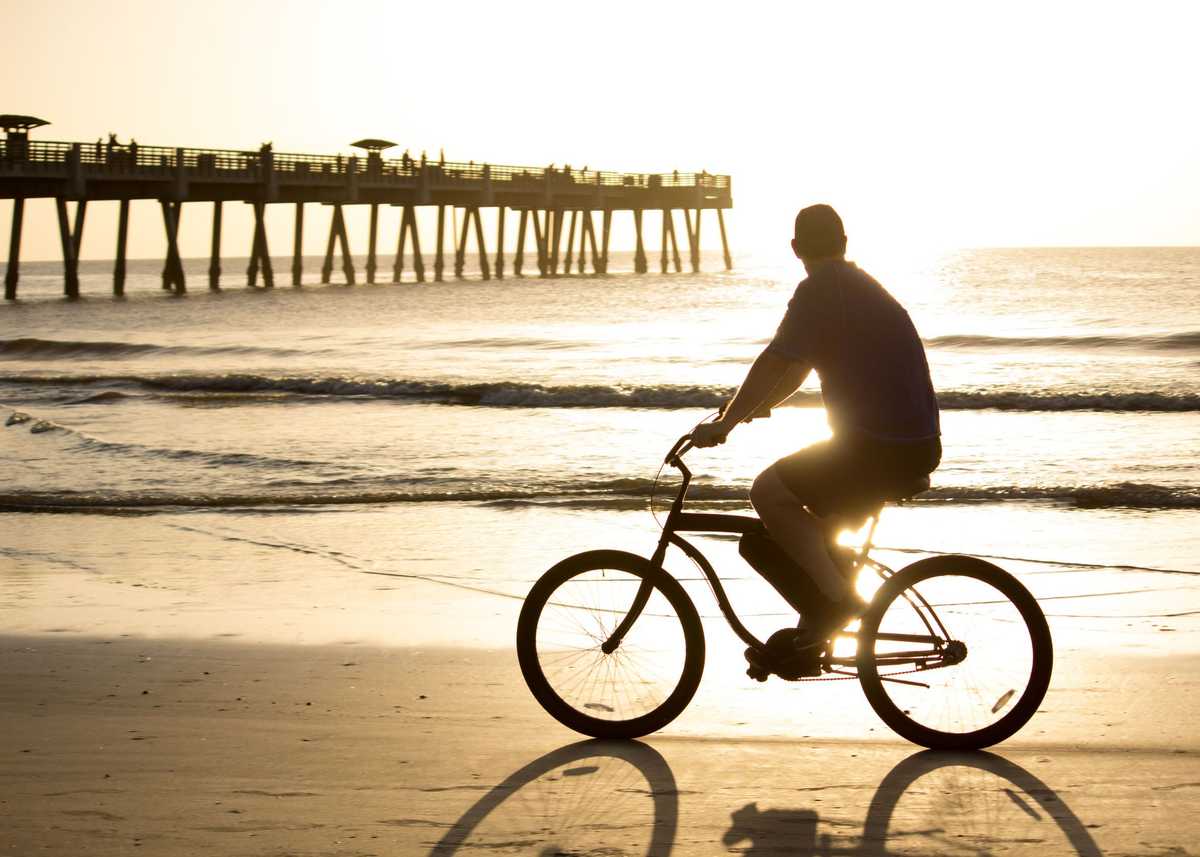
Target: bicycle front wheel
{"points": [[592, 680], [954, 653]]}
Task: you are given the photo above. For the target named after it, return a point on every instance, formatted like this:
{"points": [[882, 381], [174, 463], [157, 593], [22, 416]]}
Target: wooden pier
{"points": [[544, 199]]}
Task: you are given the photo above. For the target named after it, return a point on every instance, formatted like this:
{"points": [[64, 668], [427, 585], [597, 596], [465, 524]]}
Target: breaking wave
{"points": [[1189, 340], [611, 494], [29, 348], [87, 443], [530, 395]]}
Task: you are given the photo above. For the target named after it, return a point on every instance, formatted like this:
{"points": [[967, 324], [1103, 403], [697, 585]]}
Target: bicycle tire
{"points": [[616, 678], [982, 639]]}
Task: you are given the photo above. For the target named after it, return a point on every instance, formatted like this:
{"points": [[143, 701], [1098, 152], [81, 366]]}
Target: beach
{"points": [[263, 554], [179, 747]]}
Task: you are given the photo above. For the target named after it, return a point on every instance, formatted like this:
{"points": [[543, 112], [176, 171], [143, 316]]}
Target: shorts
{"points": [[850, 476]]}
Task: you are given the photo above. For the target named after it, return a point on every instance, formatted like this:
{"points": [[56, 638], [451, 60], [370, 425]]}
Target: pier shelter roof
{"points": [[373, 145], [15, 122]]}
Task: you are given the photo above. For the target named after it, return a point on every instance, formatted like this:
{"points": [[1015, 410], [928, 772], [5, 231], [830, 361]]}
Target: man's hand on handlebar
{"points": [[709, 434]]}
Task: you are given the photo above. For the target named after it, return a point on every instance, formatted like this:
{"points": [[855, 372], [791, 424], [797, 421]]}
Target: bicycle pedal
{"points": [[758, 673], [760, 667], [763, 665]]}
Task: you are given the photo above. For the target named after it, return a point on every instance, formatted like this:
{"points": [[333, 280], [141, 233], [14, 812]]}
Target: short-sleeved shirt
{"points": [[861, 341]]}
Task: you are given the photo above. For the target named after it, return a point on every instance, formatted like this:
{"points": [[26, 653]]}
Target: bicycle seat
{"points": [[905, 490]]}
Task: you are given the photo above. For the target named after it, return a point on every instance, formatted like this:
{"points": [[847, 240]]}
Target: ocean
{"points": [[454, 439]]}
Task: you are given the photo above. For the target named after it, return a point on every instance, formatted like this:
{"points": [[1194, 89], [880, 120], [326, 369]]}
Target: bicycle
{"points": [[612, 646]]}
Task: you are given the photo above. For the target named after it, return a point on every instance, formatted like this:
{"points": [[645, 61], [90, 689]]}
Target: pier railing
{"points": [[99, 159]]}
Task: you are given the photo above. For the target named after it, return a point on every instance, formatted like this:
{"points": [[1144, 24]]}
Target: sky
{"points": [[926, 124]]}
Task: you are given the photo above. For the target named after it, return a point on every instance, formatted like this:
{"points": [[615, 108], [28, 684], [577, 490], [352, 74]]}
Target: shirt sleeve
{"points": [[793, 338]]}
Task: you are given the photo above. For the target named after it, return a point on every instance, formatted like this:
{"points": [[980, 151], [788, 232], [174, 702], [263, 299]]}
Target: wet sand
{"points": [[119, 745], [313, 684]]}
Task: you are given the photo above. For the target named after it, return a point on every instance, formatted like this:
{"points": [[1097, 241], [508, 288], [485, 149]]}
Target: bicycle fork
{"points": [[642, 598]]}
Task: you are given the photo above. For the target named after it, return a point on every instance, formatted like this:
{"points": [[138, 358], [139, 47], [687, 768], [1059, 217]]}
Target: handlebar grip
{"points": [[681, 446]]}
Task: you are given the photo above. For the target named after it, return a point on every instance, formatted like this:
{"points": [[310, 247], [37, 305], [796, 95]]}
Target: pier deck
{"points": [[544, 196]]}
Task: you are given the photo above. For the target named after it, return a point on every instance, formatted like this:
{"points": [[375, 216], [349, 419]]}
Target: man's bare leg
{"points": [[797, 531]]}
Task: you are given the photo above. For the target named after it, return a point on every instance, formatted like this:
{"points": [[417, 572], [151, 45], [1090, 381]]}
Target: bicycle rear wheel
{"points": [[954, 653], [567, 624]]}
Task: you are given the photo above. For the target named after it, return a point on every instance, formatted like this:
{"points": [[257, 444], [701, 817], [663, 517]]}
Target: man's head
{"points": [[819, 234]]}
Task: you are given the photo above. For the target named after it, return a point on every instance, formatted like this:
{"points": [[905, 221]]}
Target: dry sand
{"points": [[125, 745]]}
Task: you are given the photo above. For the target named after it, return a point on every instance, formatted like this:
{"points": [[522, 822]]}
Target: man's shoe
{"points": [[780, 656]]}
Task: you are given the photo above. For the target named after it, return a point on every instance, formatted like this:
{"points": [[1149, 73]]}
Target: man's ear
{"points": [[795, 248]]}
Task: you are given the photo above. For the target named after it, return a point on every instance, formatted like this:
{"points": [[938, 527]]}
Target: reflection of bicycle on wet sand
{"points": [[930, 803], [952, 652], [591, 795]]}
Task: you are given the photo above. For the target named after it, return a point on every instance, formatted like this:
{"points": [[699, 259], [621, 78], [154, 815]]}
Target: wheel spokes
{"points": [[633, 679]]}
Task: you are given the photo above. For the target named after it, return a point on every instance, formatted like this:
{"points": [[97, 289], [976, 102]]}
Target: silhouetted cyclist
{"points": [[878, 398]]}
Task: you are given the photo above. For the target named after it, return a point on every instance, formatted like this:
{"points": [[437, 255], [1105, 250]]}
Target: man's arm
{"points": [[770, 380], [791, 379]]}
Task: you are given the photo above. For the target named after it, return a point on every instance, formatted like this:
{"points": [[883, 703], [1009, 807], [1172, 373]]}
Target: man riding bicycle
{"points": [[879, 402]]}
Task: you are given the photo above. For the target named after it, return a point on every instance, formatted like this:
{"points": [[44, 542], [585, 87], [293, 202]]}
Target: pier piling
{"points": [[340, 241], [500, 212], [547, 219], [666, 225], [692, 234], [298, 246], [539, 237], [669, 235], [71, 241], [260, 255], [398, 262], [418, 257], [519, 255], [172, 275], [460, 248], [724, 241], [639, 256], [570, 242], [214, 256], [439, 262], [605, 226], [556, 239], [327, 265], [344, 244], [408, 226], [122, 239], [591, 234], [484, 265], [372, 233], [13, 273]]}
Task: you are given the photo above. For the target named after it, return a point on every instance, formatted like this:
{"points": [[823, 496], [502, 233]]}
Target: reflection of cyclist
{"points": [[879, 402], [773, 831]]}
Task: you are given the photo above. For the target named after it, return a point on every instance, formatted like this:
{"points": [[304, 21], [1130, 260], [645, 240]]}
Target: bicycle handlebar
{"points": [[684, 445], [681, 447]]}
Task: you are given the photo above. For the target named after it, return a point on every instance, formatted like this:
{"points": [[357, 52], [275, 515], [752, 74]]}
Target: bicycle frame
{"points": [[703, 522]]}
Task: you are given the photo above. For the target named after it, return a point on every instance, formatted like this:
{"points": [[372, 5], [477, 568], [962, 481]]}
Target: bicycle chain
{"points": [[854, 677]]}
